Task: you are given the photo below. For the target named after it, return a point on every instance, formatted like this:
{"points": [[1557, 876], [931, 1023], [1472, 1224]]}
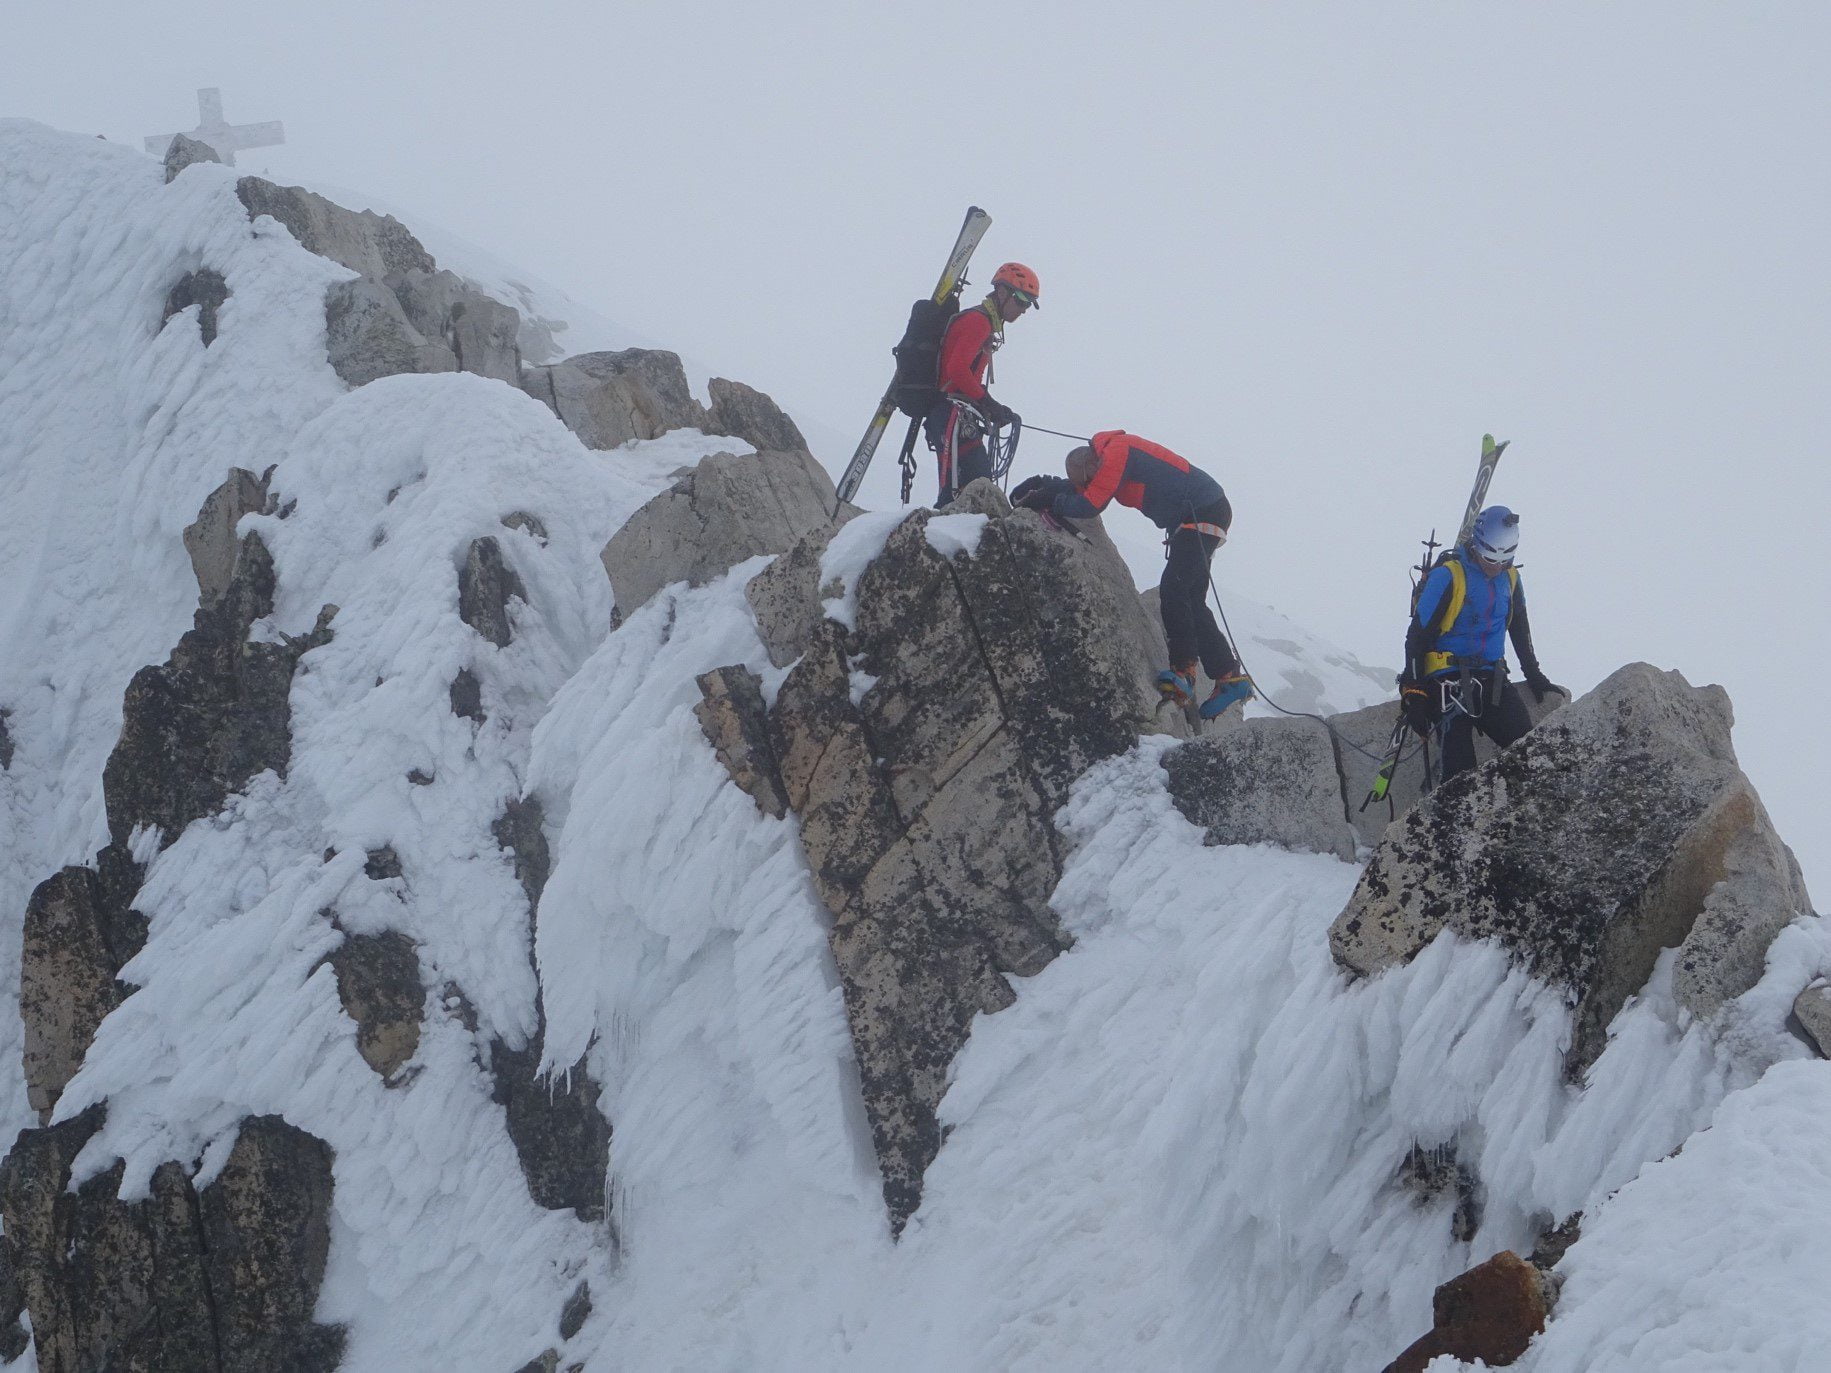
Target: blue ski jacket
{"points": [[1463, 613]]}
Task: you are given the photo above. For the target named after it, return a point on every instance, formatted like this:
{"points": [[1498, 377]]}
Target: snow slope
{"points": [[1177, 1150]]}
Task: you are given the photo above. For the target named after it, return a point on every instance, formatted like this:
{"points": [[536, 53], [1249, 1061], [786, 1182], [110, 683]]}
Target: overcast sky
{"points": [[1317, 248]]}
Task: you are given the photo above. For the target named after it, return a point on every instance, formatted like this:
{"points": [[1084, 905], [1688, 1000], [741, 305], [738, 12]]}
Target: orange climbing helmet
{"points": [[1019, 278]]}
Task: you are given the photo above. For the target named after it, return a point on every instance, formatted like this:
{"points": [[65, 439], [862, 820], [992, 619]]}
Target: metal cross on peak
{"points": [[226, 138]]}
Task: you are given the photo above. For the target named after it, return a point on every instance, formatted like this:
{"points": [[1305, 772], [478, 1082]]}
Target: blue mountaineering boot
{"points": [[1177, 684], [1237, 687]]}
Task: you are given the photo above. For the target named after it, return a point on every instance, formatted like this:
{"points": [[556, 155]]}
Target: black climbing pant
{"points": [[1182, 597], [1503, 719]]}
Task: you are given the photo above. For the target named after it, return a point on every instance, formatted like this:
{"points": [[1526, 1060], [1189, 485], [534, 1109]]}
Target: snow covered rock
{"points": [[787, 596], [485, 586], [926, 746], [610, 399], [1490, 1313], [218, 1278], [1264, 782], [716, 515], [1586, 849], [746, 413]]}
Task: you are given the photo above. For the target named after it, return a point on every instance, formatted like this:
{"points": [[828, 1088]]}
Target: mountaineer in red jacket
{"points": [[1195, 515], [957, 424]]}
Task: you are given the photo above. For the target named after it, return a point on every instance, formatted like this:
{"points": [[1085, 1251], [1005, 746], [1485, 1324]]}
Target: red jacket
{"points": [[966, 351], [1165, 487]]}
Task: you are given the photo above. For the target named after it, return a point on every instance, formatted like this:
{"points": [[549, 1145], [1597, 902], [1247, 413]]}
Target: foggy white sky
{"points": [[1318, 248]]}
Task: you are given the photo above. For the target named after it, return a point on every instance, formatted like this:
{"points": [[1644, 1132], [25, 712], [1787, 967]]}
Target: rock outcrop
{"points": [[218, 1281], [610, 399], [746, 413], [925, 751], [184, 151], [402, 313], [204, 288], [724, 510], [194, 730], [211, 539], [378, 983], [1619, 827], [1265, 782], [1489, 1313]]}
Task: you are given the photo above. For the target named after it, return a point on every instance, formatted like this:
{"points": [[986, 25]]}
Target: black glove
{"points": [[1539, 684], [996, 413], [1038, 493], [1414, 707]]}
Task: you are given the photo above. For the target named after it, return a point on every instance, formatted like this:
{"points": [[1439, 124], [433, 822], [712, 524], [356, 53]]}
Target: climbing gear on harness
{"points": [[1237, 687]]}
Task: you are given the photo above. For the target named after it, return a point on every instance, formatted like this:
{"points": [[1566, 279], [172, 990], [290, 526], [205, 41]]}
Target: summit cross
{"points": [[226, 138]]}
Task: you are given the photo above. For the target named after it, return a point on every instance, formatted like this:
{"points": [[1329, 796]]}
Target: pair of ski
{"points": [[1490, 458], [952, 277]]}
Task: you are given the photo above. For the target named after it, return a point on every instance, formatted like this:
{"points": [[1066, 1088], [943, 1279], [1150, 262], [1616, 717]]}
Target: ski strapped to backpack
{"points": [[1484, 473], [927, 318]]}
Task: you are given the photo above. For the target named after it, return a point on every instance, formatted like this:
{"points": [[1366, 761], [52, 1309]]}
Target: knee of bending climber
{"points": [[1195, 515], [1468, 607], [966, 412]]}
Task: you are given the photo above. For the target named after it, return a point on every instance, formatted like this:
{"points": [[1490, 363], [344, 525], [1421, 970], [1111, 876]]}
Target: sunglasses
{"points": [[1023, 298]]}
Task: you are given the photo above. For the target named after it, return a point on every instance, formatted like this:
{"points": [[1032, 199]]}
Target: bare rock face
{"points": [[204, 288], [736, 724], [197, 727], [182, 152], [1587, 848], [925, 753], [785, 597], [746, 413], [1812, 1008], [216, 1281], [211, 539], [610, 399], [485, 584], [78, 934], [723, 511], [403, 314], [560, 1135], [368, 336], [378, 982], [1265, 782], [1490, 1313]]}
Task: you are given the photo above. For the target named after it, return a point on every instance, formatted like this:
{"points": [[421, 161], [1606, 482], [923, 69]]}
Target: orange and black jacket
{"points": [[966, 350], [1168, 489]]}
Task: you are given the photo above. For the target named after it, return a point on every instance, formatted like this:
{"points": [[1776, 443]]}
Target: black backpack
{"points": [[918, 354]]}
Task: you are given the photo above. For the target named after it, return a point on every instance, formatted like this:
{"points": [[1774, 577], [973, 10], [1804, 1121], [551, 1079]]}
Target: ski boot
{"points": [[1237, 687], [1177, 685]]}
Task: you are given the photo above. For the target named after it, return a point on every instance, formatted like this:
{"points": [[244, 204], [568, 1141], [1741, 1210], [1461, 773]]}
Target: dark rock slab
{"points": [[485, 584], [736, 724], [560, 1135], [177, 1282], [204, 288], [378, 982]]}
